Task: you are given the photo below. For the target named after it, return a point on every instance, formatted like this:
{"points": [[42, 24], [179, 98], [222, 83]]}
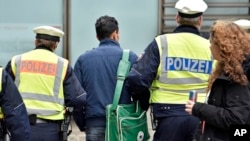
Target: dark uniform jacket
{"points": [[14, 110], [228, 104]]}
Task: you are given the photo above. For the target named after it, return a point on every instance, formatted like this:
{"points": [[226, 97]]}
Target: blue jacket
{"points": [[96, 70], [74, 94], [144, 72], [14, 110]]}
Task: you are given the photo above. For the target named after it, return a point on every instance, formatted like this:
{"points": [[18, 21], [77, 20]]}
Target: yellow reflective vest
{"points": [[186, 63], [39, 76], [1, 73]]}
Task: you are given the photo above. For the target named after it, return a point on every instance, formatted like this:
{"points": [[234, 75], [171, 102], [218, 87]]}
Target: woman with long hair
{"points": [[228, 99]]}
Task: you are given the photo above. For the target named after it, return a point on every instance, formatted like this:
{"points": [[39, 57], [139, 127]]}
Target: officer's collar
{"points": [[43, 47], [187, 28]]}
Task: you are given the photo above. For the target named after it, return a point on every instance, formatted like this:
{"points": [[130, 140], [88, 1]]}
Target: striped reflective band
{"points": [[180, 91], [41, 97], [203, 67], [42, 112], [181, 80]]}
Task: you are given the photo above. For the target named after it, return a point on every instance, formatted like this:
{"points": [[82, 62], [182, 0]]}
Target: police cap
{"points": [[243, 23], [48, 33], [190, 8]]}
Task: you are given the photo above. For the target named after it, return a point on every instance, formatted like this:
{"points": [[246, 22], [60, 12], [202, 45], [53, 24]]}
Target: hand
{"points": [[189, 106], [140, 56]]}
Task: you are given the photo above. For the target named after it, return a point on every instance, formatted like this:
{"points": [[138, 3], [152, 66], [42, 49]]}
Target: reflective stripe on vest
{"points": [[184, 66], [1, 73], [40, 76]]}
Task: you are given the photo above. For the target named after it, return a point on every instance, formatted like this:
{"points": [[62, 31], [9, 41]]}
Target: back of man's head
{"points": [[105, 26], [190, 8], [190, 12], [48, 36], [48, 33]]}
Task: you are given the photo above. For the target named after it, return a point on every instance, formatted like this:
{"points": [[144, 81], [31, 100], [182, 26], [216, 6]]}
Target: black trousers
{"points": [[45, 132], [179, 128]]}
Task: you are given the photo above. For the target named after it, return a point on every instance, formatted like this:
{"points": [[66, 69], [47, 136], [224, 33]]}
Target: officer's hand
{"points": [[189, 107]]}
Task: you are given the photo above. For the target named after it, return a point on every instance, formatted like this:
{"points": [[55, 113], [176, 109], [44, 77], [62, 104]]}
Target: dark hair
{"points": [[47, 43], [105, 26]]}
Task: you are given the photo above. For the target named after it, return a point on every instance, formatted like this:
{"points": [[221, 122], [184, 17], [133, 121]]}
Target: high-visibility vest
{"points": [[186, 63], [39, 76], [1, 73]]}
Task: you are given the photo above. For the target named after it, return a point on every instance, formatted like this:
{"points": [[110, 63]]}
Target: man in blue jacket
{"points": [[13, 115], [97, 69]]}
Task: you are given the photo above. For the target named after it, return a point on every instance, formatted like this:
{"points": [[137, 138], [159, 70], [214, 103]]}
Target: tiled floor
{"points": [[76, 135]]}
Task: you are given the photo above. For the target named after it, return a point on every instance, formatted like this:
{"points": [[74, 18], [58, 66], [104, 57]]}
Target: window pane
{"points": [[18, 18]]}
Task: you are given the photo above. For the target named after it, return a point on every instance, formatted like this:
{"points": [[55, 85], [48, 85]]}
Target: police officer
{"points": [[47, 84], [172, 65], [13, 113]]}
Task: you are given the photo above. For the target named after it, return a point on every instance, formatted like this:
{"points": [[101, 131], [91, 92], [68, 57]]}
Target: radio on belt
{"points": [[193, 95]]}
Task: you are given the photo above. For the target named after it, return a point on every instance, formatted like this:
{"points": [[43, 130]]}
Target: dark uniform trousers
{"points": [[176, 128], [46, 130]]}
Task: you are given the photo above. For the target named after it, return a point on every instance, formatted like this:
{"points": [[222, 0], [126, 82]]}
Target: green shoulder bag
{"points": [[125, 122]]}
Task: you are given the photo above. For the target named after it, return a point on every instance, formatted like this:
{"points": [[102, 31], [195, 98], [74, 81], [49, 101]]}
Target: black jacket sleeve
{"points": [[75, 96], [234, 109], [143, 73], [14, 110]]}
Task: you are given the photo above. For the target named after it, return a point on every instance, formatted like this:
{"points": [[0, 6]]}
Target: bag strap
{"points": [[122, 72]]}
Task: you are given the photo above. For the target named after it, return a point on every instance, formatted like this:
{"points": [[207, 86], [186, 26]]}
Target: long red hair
{"points": [[234, 44]]}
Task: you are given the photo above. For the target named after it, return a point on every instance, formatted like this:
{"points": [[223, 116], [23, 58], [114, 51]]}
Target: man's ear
{"points": [[177, 18], [117, 35], [55, 46], [97, 38], [200, 20], [35, 42], [114, 35]]}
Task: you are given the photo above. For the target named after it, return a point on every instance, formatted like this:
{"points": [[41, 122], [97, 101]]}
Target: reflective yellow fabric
{"points": [[184, 67], [34, 79]]}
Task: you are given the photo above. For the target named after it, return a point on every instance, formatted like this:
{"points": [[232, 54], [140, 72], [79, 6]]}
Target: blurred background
{"points": [[139, 22]]}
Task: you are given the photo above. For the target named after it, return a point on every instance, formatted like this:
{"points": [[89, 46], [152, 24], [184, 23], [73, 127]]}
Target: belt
{"points": [[39, 120], [34, 120]]}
